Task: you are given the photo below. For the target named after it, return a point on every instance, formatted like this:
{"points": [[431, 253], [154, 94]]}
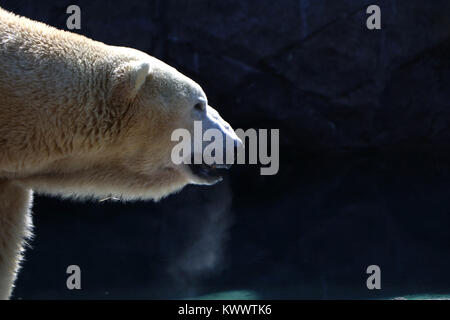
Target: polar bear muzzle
{"points": [[217, 150]]}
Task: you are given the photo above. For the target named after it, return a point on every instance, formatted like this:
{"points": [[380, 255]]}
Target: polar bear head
{"points": [[164, 100], [147, 100]]}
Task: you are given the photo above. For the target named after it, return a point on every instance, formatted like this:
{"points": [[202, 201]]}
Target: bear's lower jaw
{"points": [[208, 174]]}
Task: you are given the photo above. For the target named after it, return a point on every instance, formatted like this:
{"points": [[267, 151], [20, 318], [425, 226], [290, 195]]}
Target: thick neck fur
{"points": [[38, 64]]}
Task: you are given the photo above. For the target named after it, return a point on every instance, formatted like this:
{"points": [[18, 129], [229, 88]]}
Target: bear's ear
{"points": [[129, 78]]}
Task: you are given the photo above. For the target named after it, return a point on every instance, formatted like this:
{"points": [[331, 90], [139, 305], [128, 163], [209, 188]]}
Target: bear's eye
{"points": [[199, 106]]}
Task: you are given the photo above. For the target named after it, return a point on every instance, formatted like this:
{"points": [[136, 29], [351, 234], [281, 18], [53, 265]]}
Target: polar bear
{"points": [[82, 118]]}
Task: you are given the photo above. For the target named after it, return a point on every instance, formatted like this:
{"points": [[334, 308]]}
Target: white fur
{"points": [[15, 227]]}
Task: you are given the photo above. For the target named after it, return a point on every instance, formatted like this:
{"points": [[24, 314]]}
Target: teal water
{"points": [[252, 295], [424, 297], [230, 295]]}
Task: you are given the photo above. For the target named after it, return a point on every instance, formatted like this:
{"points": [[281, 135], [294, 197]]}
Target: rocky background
{"points": [[364, 175]]}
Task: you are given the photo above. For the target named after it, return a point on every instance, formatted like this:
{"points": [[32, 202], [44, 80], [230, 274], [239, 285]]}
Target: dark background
{"points": [[364, 138]]}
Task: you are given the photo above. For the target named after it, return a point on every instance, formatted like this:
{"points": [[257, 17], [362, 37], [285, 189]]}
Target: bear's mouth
{"points": [[209, 173]]}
